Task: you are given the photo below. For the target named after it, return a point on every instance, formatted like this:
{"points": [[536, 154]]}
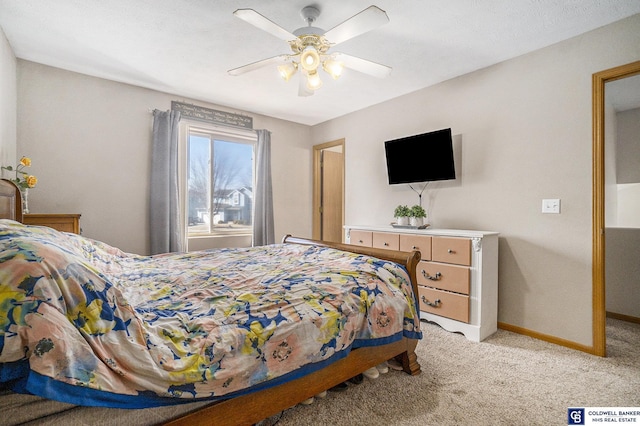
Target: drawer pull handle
{"points": [[360, 241], [414, 248], [434, 304], [451, 251], [436, 277], [386, 244]]}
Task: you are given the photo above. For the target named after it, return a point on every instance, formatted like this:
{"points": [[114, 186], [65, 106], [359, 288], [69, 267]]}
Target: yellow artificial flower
{"points": [[31, 181], [22, 179]]}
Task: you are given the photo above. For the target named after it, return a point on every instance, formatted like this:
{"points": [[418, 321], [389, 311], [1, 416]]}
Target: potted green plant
{"points": [[402, 214], [417, 215]]}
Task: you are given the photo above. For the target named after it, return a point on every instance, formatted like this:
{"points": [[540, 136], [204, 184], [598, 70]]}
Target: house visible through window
{"points": [[220, 177]]}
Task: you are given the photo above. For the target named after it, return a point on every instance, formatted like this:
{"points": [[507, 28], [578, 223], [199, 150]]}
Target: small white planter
{"points": [[416, 221], [402, 221]]}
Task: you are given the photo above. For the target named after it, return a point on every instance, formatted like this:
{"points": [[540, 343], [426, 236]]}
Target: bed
{"points": [[84, 323]]}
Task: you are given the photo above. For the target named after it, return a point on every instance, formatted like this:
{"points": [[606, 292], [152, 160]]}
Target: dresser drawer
{"points": [[360, 238], [445, 277], [386, 240], [60, 222], [451, 250], [450, 305], [422, 243]]}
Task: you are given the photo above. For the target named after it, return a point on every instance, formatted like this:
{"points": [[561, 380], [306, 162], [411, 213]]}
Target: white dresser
{"points": [[457, 274]]}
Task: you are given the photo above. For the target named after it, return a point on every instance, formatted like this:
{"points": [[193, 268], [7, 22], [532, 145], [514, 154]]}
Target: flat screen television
{"points": [[420, 158]]}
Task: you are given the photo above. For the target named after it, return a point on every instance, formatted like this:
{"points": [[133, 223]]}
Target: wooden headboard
{"points": [[10, 201]]}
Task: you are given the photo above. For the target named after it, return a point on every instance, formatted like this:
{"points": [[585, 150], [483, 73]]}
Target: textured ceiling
{"points": [[185, 47]]}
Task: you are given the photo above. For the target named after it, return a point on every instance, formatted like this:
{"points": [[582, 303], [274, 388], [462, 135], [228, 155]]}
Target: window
{"points": [[220, 181]]}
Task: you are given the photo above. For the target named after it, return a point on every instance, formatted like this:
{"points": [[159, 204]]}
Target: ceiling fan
{"points": [[310, 47]]}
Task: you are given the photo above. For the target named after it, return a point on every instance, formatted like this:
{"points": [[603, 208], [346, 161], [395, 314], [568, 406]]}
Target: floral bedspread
{"points": [[84, 322]]}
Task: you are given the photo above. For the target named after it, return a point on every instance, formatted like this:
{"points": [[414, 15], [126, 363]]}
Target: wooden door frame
{"points": [[317, 155], [598, 213]]}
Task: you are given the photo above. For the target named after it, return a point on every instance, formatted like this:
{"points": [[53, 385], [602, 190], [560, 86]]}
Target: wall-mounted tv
{"points": [[420, 158]]}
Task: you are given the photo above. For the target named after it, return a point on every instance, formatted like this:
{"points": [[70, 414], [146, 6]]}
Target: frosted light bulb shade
{"points": [[313, 81], [309, 58], [287, 70], [333, 68]]}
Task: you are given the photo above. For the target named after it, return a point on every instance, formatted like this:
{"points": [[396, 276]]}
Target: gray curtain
{"points": [[263, 208], [166, 231]]}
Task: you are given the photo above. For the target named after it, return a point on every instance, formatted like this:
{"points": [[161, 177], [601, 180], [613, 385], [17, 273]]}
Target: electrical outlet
{"points": [[551, 205]]}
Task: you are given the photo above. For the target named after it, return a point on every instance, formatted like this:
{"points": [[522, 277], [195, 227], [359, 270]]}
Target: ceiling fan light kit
{"points": [[287, 70], [333, 68], [310, 46], [313, 80], [310, 58]]}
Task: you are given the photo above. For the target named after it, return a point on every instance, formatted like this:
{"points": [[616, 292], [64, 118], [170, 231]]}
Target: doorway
{"points": [[598, 214], [328, 191]]}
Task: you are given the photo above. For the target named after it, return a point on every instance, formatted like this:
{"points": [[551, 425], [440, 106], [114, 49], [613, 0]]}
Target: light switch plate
{"points": [[551, 205]]}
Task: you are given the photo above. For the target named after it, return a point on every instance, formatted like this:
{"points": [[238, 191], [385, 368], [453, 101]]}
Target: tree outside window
{"points": [[220, 185]]}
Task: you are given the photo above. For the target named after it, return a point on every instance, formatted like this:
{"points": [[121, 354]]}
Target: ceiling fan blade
{"points": [[265, 24], [362, 65], [303, 90], [367, 20], [259, 64]]}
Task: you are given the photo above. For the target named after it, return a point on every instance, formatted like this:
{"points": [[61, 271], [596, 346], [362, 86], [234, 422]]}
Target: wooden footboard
{"points": [[408, 259], [251, 408]]}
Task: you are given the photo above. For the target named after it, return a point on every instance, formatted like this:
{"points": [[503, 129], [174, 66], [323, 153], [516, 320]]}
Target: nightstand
{"points": [[61, 222]]}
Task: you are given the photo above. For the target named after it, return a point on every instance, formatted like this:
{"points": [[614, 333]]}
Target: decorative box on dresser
{"points": [[457, 274], [59, 221]]}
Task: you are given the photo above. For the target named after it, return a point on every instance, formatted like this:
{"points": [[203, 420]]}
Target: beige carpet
{"points": [[508, 379]]}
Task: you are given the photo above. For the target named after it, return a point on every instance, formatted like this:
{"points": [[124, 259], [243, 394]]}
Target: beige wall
{"points": [[8, 93], [525, 126], [623, 271], [628, 168], [628, 146], [89, 140]]}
